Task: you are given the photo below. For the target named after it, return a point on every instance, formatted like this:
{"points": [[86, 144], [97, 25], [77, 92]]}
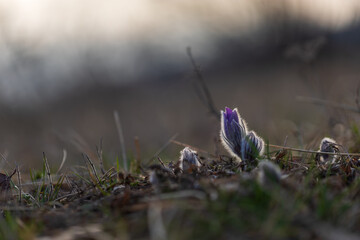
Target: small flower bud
{"points": [[269, 173], [252, 146], [188, 159], [327, 145]]}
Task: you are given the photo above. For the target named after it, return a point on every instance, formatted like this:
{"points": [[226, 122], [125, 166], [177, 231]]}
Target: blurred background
{"points": [[65, 66]]}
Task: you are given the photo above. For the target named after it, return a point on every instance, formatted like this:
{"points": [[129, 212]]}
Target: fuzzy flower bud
{"points": [[252, 146], [328, 145], [269, 173], [189, 159]]}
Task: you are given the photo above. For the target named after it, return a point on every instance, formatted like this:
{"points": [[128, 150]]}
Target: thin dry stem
{"points": [[62, 161], [47, 169], [206, 98], [327, 103], [161, 162], [3, 156], [312, 151], [108, 174], [192, 147], [99, 151], [19, 182], [92, 167], [121, 138], [162, 148]]}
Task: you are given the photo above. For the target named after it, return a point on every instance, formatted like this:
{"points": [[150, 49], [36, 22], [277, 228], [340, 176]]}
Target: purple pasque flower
{"points": [[233, 130], [236, 138]]}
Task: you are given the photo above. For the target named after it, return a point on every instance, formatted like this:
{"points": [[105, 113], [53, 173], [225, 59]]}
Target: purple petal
{"points": [[228, 112], [231, 115]]}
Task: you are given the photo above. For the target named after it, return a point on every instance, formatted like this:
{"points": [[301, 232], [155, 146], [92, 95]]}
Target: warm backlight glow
{"points": [[54, 20]]}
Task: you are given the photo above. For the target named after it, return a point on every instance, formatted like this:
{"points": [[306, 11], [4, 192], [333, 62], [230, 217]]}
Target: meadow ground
{"points": [[220, 200]]}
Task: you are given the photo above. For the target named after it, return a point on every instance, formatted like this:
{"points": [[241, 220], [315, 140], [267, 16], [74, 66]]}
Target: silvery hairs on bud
{"points": [[233, 130], [252, 146], [328, 145], [189, 159], [269, 173], [236, 138]]}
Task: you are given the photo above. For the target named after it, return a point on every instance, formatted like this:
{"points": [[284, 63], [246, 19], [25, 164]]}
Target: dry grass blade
{"points": [[62, 161], [99, 151], [47, 169], [109, 174], [327, 103], [92, 166], [121, 138], [79, 142], [192, 147], [161, 162], [4, 160], [19, 182], [206, 97], [162, 148]]}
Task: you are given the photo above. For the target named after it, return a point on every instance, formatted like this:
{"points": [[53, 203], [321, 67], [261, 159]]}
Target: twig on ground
{"points": [[312, 151], [121, 138], [206, 97], [192, 147], [327, 103]]}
